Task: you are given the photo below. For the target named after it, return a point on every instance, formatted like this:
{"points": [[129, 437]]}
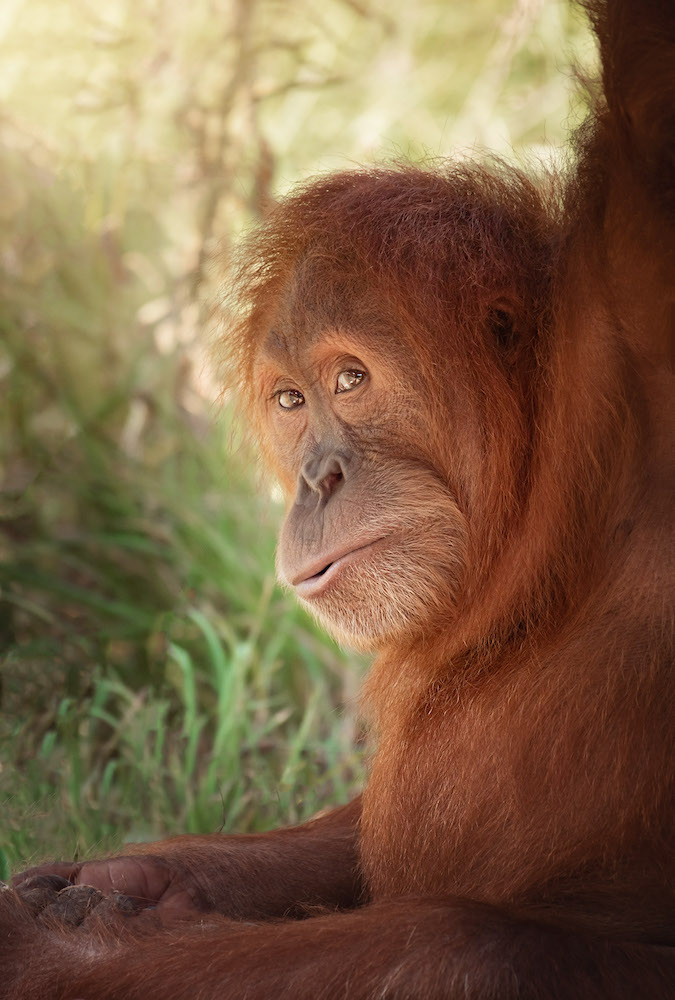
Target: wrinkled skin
{"points": [[369, 512]]}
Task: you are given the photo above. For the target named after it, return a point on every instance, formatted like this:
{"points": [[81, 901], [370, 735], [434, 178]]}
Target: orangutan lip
{"points": [[310, 584]]}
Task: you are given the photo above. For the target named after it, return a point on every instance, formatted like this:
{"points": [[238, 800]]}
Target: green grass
{"points": [[155, 679]]}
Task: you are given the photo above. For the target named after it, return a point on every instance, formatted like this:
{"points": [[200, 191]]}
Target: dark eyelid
{"points": [[284, 388], [348, 362]]}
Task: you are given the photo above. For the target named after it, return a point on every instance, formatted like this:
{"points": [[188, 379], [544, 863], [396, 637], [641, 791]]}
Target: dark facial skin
{"points": [[373, 541]]}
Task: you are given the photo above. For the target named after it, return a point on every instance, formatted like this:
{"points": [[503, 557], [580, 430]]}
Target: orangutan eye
{"points": [[349, 379], [290, 398]]}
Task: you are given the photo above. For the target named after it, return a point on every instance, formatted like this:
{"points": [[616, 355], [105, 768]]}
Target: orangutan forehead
{"points": [[286, 350], [282, 347], [308, 315]]}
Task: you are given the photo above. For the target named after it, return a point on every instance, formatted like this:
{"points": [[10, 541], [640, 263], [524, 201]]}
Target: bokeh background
{"points": [[154, 679]]}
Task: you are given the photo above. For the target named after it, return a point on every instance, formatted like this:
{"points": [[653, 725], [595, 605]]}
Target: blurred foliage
{"points": [[153, 677]]}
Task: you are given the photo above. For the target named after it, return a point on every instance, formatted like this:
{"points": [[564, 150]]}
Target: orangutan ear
{"points": [[503, 324]]}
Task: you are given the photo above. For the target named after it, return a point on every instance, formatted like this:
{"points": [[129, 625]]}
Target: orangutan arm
{"points": [[251, 877]]}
